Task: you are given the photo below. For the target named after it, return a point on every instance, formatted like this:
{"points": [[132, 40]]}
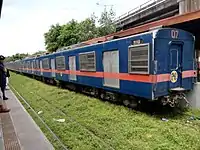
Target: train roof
{"points": [[154, 32], [58, 52]]}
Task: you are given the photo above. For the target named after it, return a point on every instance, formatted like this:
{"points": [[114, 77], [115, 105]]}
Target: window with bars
{"points": [[139, 59], [45, 63], [60, 63], [87, 61]]}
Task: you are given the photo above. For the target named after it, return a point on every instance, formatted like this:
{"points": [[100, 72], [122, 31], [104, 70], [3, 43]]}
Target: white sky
{"points": [[24, 22]]}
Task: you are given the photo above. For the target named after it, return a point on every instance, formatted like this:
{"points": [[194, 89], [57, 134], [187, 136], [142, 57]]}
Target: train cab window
{"points": [[60, 63], [139, 59], [174, 59], [87, 61], [45, 63]]}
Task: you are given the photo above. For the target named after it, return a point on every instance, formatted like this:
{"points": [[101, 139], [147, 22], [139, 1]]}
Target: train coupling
{"points": [[175, 100]]}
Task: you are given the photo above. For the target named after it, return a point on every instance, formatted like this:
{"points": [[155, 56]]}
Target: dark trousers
{"points": [[3, 91]]}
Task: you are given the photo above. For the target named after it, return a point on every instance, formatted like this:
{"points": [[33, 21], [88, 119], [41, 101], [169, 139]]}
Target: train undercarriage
{"points": [[175, 99]]}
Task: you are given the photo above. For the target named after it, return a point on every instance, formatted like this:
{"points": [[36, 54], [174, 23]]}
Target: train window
{"points": [[34, 64], [26, 65], [60, 63], [45, 63], [29, 65], [87, 61], [139, 59], [174, 59], [37, 64]]}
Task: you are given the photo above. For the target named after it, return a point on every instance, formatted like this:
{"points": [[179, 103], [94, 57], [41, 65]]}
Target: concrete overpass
{"points": [[150, 11], [187, 21]]}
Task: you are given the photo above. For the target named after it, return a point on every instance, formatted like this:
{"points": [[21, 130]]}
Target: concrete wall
{"points": [[194, 96], [188, 6]]}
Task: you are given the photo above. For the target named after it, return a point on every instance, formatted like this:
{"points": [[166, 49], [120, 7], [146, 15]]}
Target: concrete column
{"points": [[194, 96], [181, 6]]}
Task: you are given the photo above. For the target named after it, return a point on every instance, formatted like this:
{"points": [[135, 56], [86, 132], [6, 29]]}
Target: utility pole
{"points": [[105, 6]]}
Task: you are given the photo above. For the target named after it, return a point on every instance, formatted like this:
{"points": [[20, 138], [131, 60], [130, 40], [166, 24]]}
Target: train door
{"points": [[41, 71], [53, 67], [32, 71], [111, 68], [175, 66], [72, 68]]}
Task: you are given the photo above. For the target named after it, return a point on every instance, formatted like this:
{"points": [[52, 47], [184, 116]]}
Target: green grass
{"points": [[94, 124]]}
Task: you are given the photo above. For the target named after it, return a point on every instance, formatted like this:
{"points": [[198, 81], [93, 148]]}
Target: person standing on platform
{"points": [[3, 84], [3, 75], [7, 79]]}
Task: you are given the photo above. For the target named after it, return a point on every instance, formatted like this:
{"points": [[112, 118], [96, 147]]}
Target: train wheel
{"points": [[133, 104], [130, 102], [126, 102]]}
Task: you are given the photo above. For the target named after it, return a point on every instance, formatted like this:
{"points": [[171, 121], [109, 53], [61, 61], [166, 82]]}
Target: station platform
{"points": [[18, 131]]}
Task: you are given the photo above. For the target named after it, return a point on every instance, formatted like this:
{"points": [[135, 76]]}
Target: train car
{"points": [[156, 65], [46, 66]]}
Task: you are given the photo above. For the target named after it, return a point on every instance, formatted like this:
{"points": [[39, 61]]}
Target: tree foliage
{"points": [[52, 37], [21, 56], [106, 22], [16, 57], [68, 34], [38, 53], [75, 32]]}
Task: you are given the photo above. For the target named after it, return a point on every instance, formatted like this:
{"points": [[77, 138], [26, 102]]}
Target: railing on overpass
{"points": [[149, 4]]}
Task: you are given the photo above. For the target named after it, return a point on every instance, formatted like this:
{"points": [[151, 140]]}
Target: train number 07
{"points": [[174, 34]]}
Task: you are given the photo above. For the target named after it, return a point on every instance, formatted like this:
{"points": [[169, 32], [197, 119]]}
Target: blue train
{"points": [[155, 65]]}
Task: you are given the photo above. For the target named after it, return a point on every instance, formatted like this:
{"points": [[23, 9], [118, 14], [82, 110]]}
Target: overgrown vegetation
{"points": [[94, 124]]}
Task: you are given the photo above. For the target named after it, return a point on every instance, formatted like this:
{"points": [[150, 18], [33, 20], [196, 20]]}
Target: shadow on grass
{"points": [[159, 111]]}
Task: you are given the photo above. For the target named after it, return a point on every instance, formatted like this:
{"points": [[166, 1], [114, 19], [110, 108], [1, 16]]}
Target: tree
{"points": [[16, 57], [87, 29], [75, 32], [38, 53], [69, 34], [106, 22], [51, 38]]}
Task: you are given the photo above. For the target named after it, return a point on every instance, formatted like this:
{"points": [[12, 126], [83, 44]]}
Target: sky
{"points": [[24, 22]]}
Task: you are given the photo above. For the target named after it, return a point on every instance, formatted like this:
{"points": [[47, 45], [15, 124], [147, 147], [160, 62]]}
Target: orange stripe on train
{"points": [[122, 76], [189, 73]]}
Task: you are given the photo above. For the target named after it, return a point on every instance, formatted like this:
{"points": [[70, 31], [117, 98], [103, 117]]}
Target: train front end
{"points": [[175, 65]]}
